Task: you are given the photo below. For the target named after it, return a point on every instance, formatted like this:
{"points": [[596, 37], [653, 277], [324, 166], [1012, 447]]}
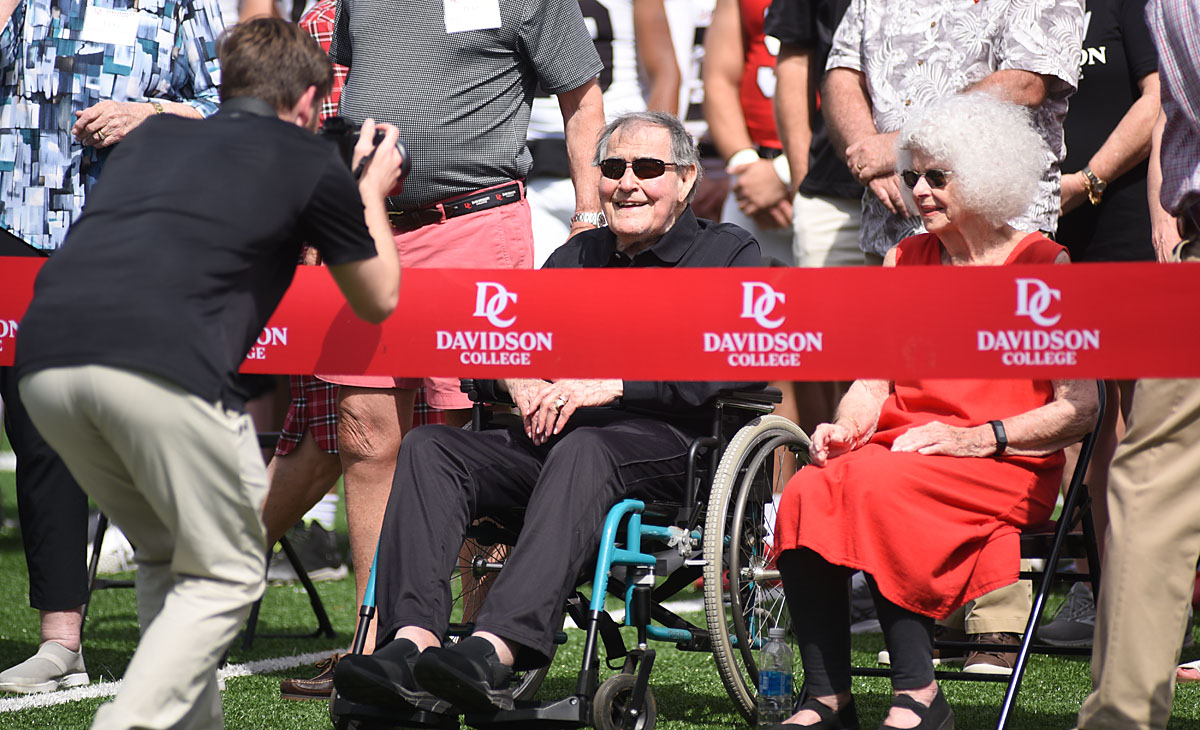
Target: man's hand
{"points": [[887, 189], [940, 438], [872, 156], [757, 186], [829, 441], [526, 394], [1074, 193], [382, 162], [106, 123], [554, 405], [777, 217]]}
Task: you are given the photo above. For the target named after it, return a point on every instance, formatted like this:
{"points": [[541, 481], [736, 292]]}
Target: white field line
{"points": [[8, 461], [110, 688], [262, 666]]}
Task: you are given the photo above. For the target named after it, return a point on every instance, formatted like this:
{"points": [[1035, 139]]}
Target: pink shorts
{"points": [[496, 238]]}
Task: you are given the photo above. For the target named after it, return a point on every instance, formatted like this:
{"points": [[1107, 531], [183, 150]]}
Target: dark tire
{"points": [[613, 697], [743, 597]]}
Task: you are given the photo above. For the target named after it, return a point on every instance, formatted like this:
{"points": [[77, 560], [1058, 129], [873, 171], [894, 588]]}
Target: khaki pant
{"points": [[1150, 561], [1004, 610], [184, 479]]}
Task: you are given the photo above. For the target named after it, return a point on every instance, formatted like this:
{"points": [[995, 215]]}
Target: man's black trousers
{"points": [[448, 477]]}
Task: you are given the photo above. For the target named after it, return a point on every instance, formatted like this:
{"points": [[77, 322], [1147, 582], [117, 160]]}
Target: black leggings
{"points": [[818, 597]]}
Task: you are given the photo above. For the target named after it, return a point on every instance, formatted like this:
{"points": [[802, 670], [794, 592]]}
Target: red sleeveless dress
{"points": [[934, 531]]}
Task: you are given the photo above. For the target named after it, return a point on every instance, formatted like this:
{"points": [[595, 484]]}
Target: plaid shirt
{"points": [[1176, 28], [318, 21]]}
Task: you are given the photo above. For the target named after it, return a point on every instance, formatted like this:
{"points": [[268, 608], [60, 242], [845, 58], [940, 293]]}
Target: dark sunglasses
{"points": [[644, 167], [936, 178]]}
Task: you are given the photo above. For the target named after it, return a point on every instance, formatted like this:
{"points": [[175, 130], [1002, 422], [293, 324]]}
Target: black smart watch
{"points": [[1001, 437]]}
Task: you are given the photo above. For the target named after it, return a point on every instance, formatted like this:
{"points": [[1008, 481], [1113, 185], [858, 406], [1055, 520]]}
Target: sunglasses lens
{"points": [[910, 177], [646, 168], [935, 178], [613, 168]]}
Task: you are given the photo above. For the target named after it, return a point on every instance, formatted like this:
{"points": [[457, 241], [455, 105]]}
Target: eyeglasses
{"points": [[644, 167], [936, 178]]}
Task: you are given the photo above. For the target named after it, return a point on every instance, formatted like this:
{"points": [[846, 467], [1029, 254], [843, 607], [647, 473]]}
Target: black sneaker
{"points": [[385, 679], [318, 552], [468, 674], [1075, 622]]}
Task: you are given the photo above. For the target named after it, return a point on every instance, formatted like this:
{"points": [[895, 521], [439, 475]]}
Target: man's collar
{"points": [[248, 105], [669, 249]]}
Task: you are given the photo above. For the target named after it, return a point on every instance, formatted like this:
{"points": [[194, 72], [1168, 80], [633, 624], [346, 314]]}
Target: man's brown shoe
{"points": [[319, 687], [993, 662]]}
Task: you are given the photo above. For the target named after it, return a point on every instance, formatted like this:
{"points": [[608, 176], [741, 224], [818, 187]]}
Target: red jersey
{"points": [[758, 75]]}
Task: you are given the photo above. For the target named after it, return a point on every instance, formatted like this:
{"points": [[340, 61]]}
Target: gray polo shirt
{"points": [[458, 77]]}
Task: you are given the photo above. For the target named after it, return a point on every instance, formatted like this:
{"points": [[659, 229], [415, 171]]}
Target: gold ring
{"points": [[859, 167], [559, 403], [100, 135]]}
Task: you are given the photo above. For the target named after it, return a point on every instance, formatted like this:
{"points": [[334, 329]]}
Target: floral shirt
{"points": [[915, 51], [55, 60]]}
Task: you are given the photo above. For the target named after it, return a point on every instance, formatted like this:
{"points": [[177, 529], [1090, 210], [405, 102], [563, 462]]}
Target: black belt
{"points": [[768, 153], [410, 219]]}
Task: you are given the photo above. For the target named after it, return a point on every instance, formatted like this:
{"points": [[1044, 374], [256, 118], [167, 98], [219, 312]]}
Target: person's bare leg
{"points": [[371, 423], [63, 627], [297, 482]]}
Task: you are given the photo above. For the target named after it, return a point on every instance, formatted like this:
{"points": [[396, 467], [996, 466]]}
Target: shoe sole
{"points": [[368, 689], [464, 693], [305, 696], [1076, 644], [988, 669], [70, 680], [885, 658], [320, 575]]}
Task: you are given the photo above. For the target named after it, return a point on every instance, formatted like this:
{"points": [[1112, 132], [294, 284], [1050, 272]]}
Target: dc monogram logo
{"points": [[1034, 298], [491, 298], [758, 301]]}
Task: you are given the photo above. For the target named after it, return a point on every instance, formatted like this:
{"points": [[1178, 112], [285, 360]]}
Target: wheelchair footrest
{"points": [[569, 712], [342, 710]]}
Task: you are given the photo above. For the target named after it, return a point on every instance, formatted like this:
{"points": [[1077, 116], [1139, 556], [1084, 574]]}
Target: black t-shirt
{"points": [[811, 24], [186, 246], [1117, 52]]}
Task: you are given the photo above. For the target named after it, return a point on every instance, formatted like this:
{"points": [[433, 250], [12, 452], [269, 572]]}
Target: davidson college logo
{"points": [[1045, 346], [762, 348], [491, 347], [8, 333]]}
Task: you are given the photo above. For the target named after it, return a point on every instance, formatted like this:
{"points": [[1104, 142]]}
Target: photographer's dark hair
{"points": [[272, 60]]}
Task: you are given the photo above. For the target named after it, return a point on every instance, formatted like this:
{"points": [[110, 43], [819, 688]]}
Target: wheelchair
{"points": [[648, 553]]}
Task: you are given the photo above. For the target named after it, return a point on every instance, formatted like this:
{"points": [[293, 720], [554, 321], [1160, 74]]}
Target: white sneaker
{"points": [[116, 553], [53, 667]]}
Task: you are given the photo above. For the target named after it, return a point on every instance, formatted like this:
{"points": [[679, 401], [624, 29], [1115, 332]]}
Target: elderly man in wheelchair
{"points": [[565, 464]]}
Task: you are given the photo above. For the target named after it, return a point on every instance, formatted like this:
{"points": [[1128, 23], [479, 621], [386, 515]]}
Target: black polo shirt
{"points": [[187, 244], [692, 243]]}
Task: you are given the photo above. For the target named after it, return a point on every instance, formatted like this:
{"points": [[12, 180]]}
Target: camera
{"points": [[345, 134]]}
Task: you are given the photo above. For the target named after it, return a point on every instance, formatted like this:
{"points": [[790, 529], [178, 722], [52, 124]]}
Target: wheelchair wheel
{"points": [[613, 696], [467, 592], [743, 597]]}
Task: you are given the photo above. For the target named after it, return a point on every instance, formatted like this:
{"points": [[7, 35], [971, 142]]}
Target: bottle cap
{"points": [[777, 632]]}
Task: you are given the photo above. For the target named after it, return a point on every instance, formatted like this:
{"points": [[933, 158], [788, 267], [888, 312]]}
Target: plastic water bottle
{"points": [[774, 679]]}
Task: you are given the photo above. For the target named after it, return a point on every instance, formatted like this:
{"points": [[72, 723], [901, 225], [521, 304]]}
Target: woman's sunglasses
{"points": [[644, 167], [936, 178]]}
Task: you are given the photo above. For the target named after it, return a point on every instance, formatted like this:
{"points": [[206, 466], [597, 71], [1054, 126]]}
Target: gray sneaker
{"points": [[318, 552], [53, 667], [1075, 622]]}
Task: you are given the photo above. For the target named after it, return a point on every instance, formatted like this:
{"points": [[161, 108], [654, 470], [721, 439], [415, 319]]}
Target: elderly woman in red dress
{"points": [[926, 484]]}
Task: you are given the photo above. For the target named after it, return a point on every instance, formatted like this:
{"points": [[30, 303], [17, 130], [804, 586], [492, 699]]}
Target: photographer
{"points": [[197, 226]]}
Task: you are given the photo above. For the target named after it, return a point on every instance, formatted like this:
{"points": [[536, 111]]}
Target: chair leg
{"points": [[324, 626]]}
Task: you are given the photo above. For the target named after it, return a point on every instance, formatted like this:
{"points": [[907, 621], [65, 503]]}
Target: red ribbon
{"points": [[1076, 321]]}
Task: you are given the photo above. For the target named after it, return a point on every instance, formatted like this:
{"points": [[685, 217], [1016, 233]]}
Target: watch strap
{"points": [[1094, 186], [595, 218], [1001, 437]]}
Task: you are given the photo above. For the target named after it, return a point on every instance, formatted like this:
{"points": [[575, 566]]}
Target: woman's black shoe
{"points": [[937, 716], [845, 718]]}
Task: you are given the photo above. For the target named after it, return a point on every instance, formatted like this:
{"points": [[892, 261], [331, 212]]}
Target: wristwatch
{"points": [[596, 219], [1001, 437], [1094, 186]]}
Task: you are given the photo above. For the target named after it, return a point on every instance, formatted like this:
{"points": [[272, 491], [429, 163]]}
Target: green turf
{"points": [[688, 691]]}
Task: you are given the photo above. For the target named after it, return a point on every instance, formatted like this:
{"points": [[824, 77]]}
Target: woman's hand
{"points": [[557, 403], [829, 441], [106, 123], [940, 438], [1074, 192]]}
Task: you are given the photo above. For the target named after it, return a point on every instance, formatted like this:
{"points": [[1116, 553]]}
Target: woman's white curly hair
{"points": [[992, 147]]}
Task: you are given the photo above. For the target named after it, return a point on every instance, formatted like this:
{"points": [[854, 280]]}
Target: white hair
{"points": [[991, 146]]}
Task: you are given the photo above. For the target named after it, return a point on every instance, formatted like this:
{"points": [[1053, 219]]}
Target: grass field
{"points": [[688, 691]]}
